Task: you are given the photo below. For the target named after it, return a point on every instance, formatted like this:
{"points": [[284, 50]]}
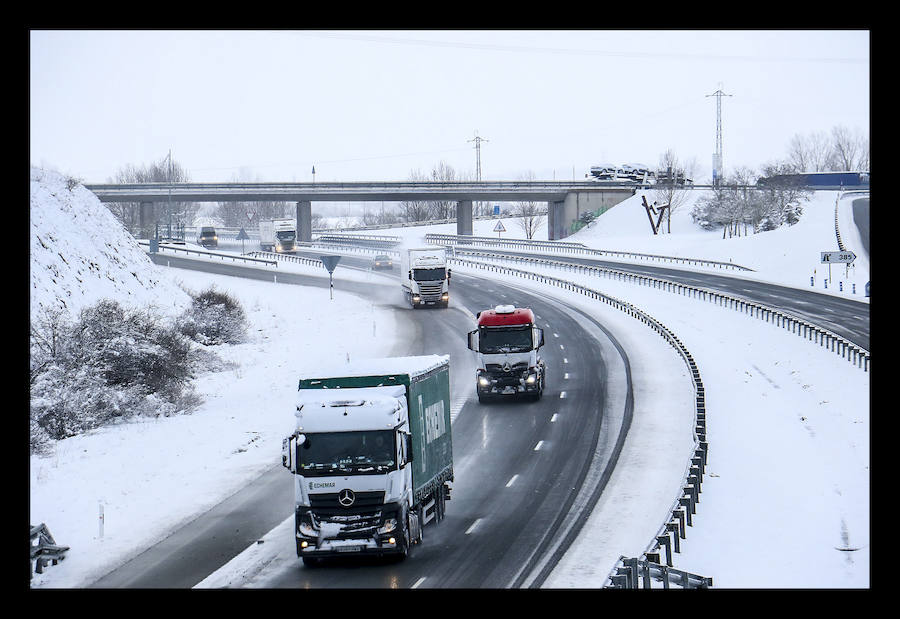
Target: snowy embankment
{"points": [[785, 501]]}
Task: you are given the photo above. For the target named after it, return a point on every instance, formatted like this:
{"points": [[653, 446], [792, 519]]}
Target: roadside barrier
{"points": [[853, 353], [577, 248], [46, 550], [223, 256], [672, 531]]}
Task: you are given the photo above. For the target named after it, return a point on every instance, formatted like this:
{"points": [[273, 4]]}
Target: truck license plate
{"points": [[349, 548]]}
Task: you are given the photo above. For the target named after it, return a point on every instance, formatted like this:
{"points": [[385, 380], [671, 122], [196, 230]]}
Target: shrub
{"points": [[214, 318], [110, 364]]}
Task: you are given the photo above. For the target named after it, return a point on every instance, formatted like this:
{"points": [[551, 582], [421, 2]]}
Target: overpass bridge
{"points": [[566, 200]]}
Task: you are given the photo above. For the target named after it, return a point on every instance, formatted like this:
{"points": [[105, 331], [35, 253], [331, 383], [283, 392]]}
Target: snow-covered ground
{"points": [[785, 501]]}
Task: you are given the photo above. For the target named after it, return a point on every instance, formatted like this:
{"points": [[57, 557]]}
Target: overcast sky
{"points": [[376, 105]]}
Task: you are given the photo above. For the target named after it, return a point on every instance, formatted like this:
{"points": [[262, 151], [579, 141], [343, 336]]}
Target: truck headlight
{"points": [[306, 529], [483, 381], [389, 525], [531, 378]]}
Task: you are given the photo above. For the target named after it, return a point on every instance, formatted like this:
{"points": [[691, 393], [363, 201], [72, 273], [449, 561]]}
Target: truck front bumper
{"points": [[503, 384], [375, 533]]}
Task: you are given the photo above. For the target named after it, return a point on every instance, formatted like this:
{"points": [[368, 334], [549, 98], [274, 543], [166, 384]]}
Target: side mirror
{"points": [[287, 449], [448, 273], [538, 337], [409, 448], [472, 340], [409, 274]]}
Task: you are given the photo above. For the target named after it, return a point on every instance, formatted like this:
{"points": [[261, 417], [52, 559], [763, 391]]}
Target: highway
{"points": [[519, 466]]}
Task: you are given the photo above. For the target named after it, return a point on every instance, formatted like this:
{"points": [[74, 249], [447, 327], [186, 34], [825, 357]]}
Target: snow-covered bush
{"points": [[111, 363], [214, 318]]}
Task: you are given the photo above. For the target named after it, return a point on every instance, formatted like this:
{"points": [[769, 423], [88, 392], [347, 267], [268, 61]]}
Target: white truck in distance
{"points": [[278, 235], [425, 277], [372, 456]]}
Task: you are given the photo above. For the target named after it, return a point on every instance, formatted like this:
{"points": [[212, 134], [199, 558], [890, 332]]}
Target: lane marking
{"points": [[562, 394], [512, 480], [566, 376], [561, 347], [553, 418], [538, 446], [565, 360], [555, 334], [471, 528], [418, 582]]}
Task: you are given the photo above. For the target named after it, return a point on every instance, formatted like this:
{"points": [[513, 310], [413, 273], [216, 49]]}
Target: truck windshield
{"points": [[505, 339], [285, 235], [335, 453], [429, 275]]}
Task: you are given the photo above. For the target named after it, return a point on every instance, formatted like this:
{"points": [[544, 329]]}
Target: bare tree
{"points": [[248, 214], [530, 217], [415, 210], [671, 192], [443, 209], [162, 171], [810, 153], [850, 149]]}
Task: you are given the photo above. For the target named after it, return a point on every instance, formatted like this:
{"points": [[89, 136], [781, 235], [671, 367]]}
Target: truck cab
{"points": [[508, 342], [208, 237], [358, 430], [425, 278]]}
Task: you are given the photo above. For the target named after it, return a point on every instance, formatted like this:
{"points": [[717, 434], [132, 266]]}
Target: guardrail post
{"points": [[672, 527], [663, 540]]}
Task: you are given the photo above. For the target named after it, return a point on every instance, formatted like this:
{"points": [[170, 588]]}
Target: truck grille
{"points": [[516, 372], [328, 501], [430, 291], [359, 520]]}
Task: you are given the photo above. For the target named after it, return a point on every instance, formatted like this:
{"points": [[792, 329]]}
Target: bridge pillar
{"points": [[561, 215], [146, 220], [464, 217], [556, 221], [304, 221]]}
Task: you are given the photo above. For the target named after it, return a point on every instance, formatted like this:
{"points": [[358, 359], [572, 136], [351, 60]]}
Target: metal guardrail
{"points": [[685, 505], [46, 550], [630, 573], [802, 328], [567, 247], [232, 257]]}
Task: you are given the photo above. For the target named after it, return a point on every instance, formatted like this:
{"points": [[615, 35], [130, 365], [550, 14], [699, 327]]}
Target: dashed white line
{"points": [[565, 360], [562, 394], [538, 446], [474, 524], [418, 582], [553, 418], [561, 347], [511, 481], [566, 376]]}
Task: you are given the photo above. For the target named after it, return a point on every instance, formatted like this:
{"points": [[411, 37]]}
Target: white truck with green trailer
{"points": [[372, 456]]}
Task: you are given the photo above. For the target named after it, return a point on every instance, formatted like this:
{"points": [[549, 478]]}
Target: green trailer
{"points": [[372, 446]]}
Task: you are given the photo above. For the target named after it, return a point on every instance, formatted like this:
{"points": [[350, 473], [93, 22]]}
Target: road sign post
{"points": [[330, 263], [242, 236], [840, 257], [498, 228]]}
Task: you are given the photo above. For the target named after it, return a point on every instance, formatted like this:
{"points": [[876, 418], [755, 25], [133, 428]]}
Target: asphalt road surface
{"points": [[520, 468]]}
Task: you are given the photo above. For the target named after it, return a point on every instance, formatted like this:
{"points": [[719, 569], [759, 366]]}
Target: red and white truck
{"points": [[508, 344]]}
